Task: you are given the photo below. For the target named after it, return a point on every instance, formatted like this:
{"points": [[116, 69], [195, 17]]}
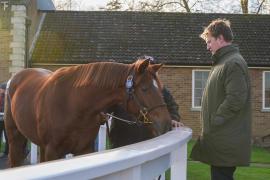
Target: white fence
{"points": [[102, 134], [141, 161]]}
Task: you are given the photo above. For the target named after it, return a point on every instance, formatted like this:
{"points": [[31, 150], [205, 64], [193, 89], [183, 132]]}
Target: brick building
{"points": [[64, 38], [19, 20]]}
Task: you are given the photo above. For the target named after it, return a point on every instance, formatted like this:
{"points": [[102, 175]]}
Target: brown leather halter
{"points": [[144, 111]]}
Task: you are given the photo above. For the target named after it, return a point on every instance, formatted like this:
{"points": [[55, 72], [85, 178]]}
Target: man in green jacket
{"points": [[225, 141]]}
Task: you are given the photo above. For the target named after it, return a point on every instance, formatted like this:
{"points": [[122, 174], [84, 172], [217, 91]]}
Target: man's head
{"points": [[150, 58], [217, 35]]}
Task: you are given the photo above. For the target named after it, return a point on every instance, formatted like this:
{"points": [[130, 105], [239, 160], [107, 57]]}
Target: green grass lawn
{"points": [[200, 171], [260, 155]]}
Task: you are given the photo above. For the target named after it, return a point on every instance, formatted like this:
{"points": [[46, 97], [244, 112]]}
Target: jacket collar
{"points": [[223, 51]]}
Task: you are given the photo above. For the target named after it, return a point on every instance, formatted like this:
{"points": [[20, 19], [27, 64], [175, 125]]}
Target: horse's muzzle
{"points": [[161, 128]]}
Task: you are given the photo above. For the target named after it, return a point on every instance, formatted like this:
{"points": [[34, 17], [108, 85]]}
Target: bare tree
{"points": [[114, 5], [158, 5], [189, 6], [244, 6], [260, 6], [155, 5], [67, 4]]}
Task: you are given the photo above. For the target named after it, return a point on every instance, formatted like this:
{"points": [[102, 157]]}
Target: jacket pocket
{"points": [[216, 120]]}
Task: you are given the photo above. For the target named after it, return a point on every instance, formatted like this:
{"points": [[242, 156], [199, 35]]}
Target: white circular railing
{"points": [[141, 161]]}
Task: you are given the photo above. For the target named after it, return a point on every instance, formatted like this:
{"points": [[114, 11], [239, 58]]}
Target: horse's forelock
{"points": [[102, 74]]}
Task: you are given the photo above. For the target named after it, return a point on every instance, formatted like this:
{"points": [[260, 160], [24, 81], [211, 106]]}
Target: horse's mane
{"points": [[102, 74]]}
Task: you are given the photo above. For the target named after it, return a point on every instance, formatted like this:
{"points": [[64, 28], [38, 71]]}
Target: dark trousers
{"points": [[222, 173], [2, 129]]}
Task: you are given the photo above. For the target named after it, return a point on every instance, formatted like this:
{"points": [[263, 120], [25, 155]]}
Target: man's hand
{"points": [[177, 124]]}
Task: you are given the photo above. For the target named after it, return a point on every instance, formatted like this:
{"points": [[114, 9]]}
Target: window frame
{"points": [[263, 91], [193, 87]]}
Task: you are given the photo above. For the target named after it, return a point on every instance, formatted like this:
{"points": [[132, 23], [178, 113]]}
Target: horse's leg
{"points": [[41, 154], [17, 145], [17, 142], [51, 153], [88, 148]]}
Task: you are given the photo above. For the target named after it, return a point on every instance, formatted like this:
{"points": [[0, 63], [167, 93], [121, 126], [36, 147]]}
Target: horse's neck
{"points": [[105, 86], [107, 99]]}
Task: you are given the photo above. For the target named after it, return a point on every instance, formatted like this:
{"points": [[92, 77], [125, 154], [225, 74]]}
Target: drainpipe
{"points": [[27, 30]]}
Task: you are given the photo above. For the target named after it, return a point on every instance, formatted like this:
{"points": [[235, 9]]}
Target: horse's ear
{"points": [[142, 65], [156, 67]]}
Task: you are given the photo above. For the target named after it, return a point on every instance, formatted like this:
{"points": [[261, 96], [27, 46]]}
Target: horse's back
{"points": [[32, 76], [28, 81]]}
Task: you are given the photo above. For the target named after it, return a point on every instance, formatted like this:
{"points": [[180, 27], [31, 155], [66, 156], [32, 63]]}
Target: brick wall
{"points": [[13, 38], [5, 50], [5, 39], [12, 46], [261, 118], [179, 81], [18, 31]]}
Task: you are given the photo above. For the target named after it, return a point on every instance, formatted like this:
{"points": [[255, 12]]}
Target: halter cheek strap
{"points": [[143, 111]]}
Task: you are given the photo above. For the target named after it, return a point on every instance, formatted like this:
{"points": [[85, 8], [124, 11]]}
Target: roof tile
{"points": [[172, 38]]}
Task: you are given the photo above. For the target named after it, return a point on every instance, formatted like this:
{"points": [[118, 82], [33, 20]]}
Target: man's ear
{"points": [[220, 38]]}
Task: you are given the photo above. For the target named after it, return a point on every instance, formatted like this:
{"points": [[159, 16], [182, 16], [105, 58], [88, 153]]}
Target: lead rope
{"points": [[120, 119]]}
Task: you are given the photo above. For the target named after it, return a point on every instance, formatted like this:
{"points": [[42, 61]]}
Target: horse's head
{"points": [[145, 98]]}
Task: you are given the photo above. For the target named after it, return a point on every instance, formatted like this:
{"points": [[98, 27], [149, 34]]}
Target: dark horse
{"points": [[60, 111]]}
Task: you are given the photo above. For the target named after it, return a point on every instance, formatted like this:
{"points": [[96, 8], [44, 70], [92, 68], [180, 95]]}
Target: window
{"points": [[266, 90], [199, 78]]}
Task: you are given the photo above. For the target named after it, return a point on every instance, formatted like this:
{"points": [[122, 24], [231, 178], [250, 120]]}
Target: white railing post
{"points": [[179, 163], [102, 134], [102, 138], [33, 155]]}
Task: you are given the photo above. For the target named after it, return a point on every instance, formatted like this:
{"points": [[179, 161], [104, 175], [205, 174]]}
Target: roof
{"points": [[75, 37]]}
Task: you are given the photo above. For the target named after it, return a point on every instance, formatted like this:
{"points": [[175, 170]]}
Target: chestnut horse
{"points": [[60, 111]]}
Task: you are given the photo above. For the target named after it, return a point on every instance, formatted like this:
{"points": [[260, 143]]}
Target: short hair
{"points": [[218, 27], [151, 59]]}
